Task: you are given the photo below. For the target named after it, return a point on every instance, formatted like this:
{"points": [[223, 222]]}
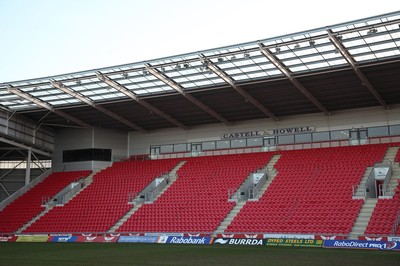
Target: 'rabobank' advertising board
{"points": [[194, 240], [362, 244]]}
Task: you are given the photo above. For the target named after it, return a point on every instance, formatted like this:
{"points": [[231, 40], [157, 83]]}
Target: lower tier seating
{"points": [[197, 201], [312, 192], [27, 206], [384, 216], [98, 207]]}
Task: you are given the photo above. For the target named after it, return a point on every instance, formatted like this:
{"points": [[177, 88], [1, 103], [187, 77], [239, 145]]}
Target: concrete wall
{"points": [[74, 139], [140, 143]]}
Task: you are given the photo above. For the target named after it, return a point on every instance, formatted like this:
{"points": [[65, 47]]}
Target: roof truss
{"points": [[335, 40], [100, 108], [47, 106], [274, 60], [145, 104], [219, 72], [179, 89]]}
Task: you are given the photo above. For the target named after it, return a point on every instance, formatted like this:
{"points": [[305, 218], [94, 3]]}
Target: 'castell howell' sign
{"points": [[291, 130], [240, 135]]}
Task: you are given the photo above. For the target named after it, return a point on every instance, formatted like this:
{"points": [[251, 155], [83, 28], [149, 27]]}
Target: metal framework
{"points": [[84, 99], [363, 42], [46, 105], [145, 104], [179, 89], [219, 72], [335, 40]]}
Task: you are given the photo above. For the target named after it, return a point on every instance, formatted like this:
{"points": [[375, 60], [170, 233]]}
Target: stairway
{"points": [[172, 177], [390, 155], [271, 173], [88, 181], [363, 218], [359, 194], [37, 217], [229, 218]]}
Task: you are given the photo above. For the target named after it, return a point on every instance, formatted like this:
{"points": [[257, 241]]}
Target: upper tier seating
{"points": [[98, 207], [27, 206], [197, 201], [312, 192]]}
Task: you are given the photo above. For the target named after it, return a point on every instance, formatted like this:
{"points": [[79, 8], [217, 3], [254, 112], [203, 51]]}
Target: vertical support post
{"points": [[28, 167]]}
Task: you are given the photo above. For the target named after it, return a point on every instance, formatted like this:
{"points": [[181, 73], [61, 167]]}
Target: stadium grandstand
{"points": [[293, 135]]}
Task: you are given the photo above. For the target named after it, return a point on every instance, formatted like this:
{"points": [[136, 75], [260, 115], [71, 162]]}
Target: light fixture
{"points": [[78, 82], [162, 69], [277, 49], [372, 31], [246, 55], [144, 72], [312, 43], [297, 46], [220, 59], [339, 38], [125, 75], [186, 65], [233, 57], [178, 66]]}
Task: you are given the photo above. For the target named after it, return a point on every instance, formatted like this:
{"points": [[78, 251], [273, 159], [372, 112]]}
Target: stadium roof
{"points": [[346, 66]]}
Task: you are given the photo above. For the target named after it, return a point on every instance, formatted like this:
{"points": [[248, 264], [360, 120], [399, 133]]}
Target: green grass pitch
{"points": [[158, 254]]}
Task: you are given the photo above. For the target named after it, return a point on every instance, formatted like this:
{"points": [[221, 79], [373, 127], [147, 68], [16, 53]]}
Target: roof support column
{"points": [[28, 167]]}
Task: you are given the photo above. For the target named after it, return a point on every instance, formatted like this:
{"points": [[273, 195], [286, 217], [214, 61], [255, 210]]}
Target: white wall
{"points": [[140, 143]]}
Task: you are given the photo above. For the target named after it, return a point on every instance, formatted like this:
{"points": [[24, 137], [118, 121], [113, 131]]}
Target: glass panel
{"points": [[395, 130], [208, 145], [340, 134], [237, 143], [320, 136], [303, 138], [166, 148], [254, 142], [223, 144], [286, 139], [180, 147], [378, 131]]}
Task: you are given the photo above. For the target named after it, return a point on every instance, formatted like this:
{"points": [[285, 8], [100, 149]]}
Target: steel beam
{"points": [[133, 96], [277, 63], [100, 108], [189, 97], [47, 106], [365, 82], [219, 72]]}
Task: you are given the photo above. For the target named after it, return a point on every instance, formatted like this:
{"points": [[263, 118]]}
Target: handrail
{"points": [[396, 223], [387, 189]]}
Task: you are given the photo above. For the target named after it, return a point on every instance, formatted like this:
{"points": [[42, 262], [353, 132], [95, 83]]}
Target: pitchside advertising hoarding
{"points": [[138, 239], [291, 242], [32, 238], [362, 244], [239, 241], [193, 240], [63, 239], [97, 239]]}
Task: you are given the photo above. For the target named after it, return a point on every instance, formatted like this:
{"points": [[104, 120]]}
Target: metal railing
{"points": [[80, 184]]}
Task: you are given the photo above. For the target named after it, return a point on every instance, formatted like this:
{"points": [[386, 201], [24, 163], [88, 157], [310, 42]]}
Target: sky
{"points": [[40, 38]]}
